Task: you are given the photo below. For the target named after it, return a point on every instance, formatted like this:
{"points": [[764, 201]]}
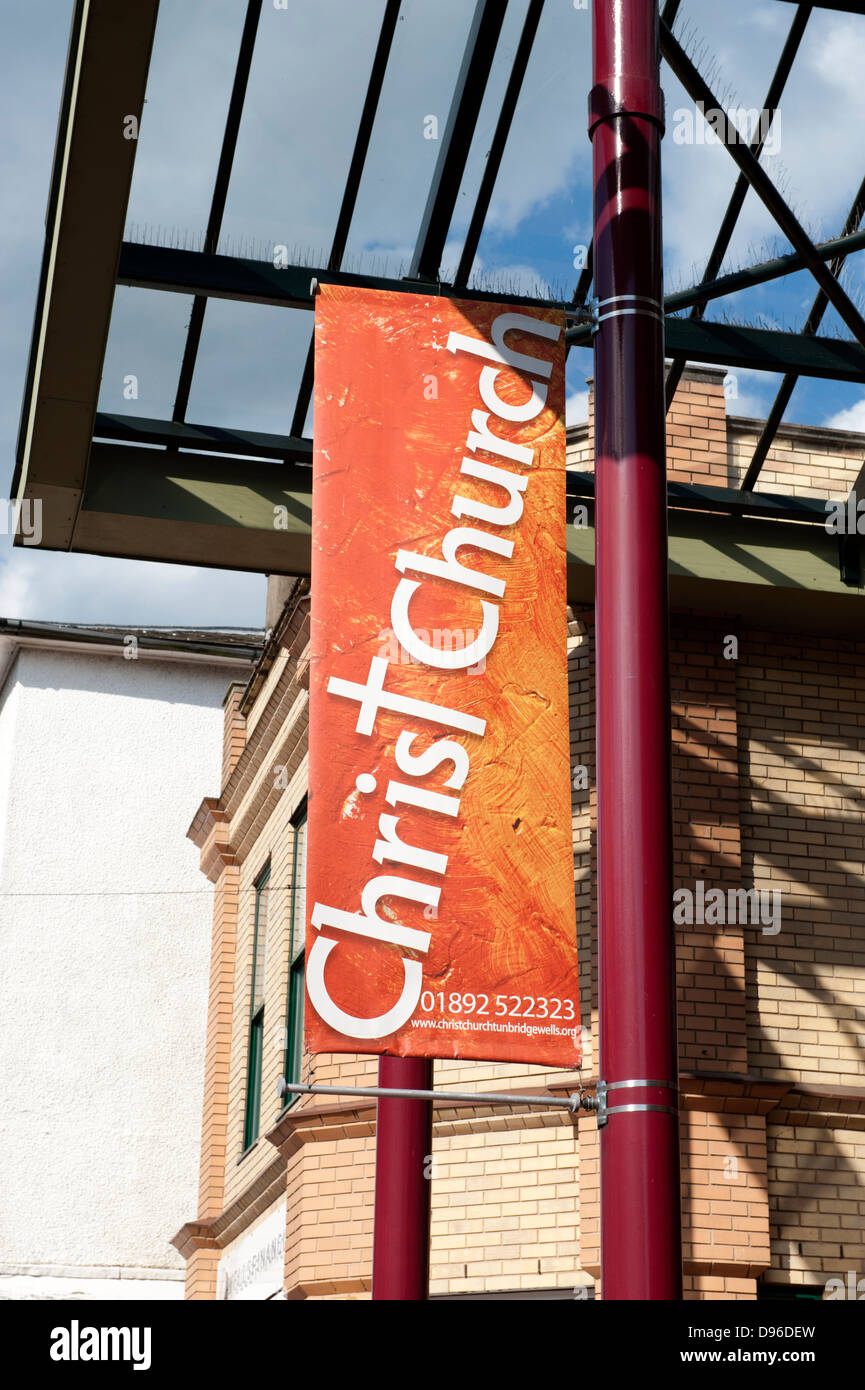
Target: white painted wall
{"points": [[104, 949]]}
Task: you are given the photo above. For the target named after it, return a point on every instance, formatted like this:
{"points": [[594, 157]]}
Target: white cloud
{"points": [[853, 418], [577, 408], [55, 586], [748, 393]]}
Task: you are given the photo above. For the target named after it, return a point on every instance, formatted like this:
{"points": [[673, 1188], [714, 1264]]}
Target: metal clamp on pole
{"points": [[585, 1101], [621, 305], [585, 315], [604, 1110]]}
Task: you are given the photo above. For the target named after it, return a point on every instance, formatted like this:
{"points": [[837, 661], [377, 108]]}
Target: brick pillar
{"points": [[217, 1066], [329, 1179], [200, 1250], [725, 1210], [201, 1269], [697, 429], [210, 831], [234, 729], [696, 432], [725, 1202]]}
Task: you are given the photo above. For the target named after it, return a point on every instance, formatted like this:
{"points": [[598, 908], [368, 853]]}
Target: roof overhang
{"points": [[106, 75], [764, 557]]}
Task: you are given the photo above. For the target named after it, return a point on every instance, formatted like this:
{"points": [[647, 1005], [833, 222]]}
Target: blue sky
{"points": [[306, 88]]}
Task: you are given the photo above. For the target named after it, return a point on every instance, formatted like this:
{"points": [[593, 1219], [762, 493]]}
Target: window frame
{"points": [[255, 1040], [295, 987]]}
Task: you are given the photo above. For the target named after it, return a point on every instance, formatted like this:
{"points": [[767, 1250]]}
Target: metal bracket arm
{"points": [[578, 1100]]}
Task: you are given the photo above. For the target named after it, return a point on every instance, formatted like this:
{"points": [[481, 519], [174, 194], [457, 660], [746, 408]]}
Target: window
{"points": [[294, 1009], [767, 1290], [256, 1012]]}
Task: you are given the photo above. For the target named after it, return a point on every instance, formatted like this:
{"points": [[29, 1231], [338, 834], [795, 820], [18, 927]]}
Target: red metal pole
{"points": [[400, 1256], [640, 1212]]}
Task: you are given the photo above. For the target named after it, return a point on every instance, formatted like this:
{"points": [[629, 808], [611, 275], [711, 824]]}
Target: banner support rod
{"points": [[578, 1100]]}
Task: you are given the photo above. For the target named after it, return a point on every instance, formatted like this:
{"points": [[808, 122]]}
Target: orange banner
{"points": [[440, 881]]}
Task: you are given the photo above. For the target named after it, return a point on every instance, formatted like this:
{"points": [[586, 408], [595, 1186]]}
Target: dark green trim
{"points": [[294, 1024], [217, 439], [252, 1108], [293, 1063]]}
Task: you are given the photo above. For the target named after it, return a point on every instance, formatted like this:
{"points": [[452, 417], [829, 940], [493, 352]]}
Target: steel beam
{"points": [[721, 501], [217, 204], [352, 187], [185, 272], [698, 90], [760, 274], [736, 280], [260, 282], [499, 140], [641, 1246], [457, 138], [765, 557], [740, 189], [158, 504], [809, 329]]}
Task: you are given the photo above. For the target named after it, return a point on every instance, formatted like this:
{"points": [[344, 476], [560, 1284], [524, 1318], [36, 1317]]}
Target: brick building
{"points": [[769, 795]]}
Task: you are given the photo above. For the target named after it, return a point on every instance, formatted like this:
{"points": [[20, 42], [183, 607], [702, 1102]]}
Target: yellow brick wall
{"points": [[799, 463], [505, 1210], [802, 728], [725, 1211], [817, 1203], [329, 1189]]}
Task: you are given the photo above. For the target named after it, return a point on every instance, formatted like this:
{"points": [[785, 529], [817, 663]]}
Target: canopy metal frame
{"points": [[207, 275]]}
